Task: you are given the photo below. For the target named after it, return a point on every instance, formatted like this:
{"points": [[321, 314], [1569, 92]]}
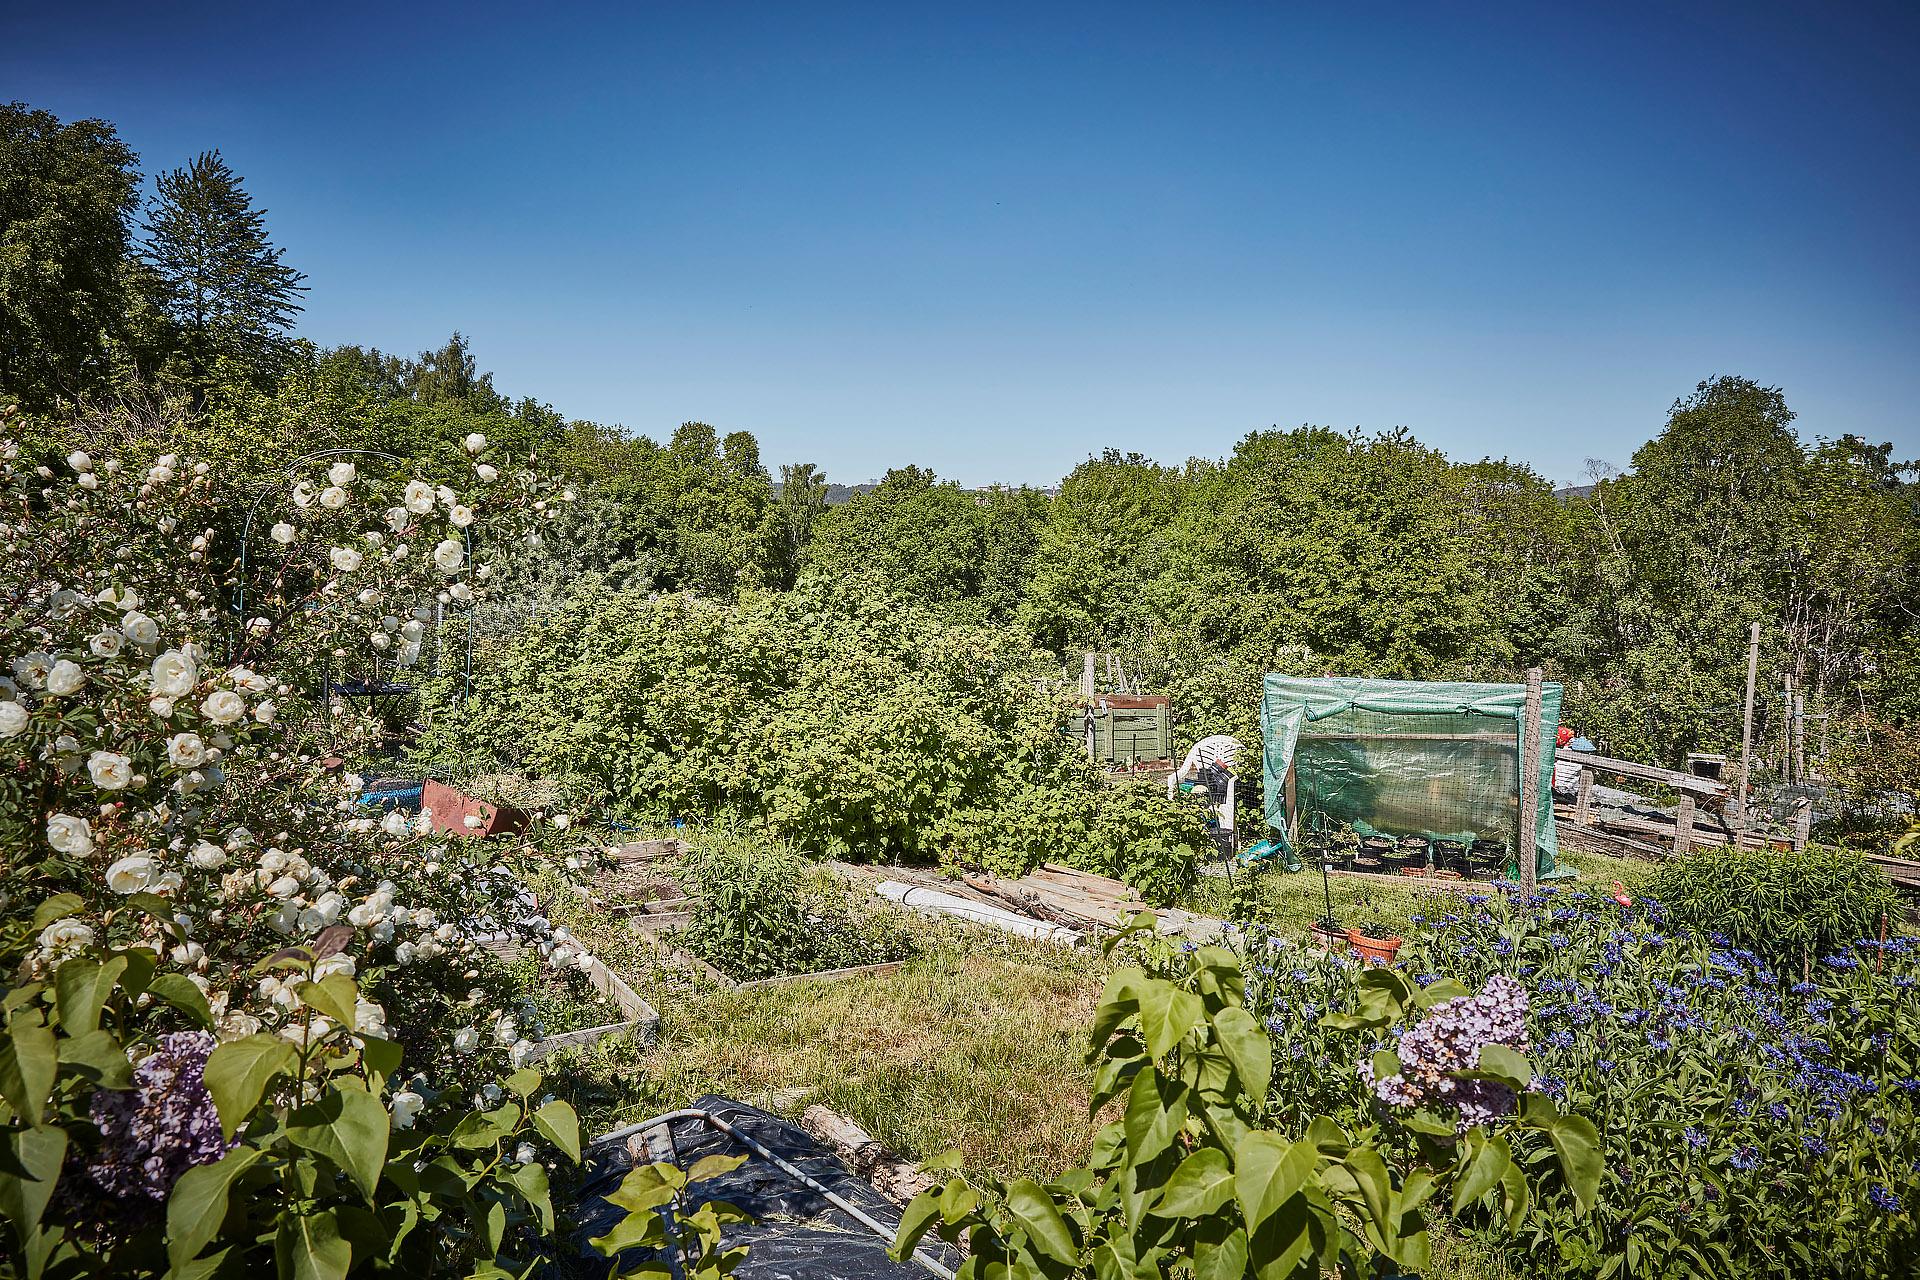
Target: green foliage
{"points": [[684, 1239], [844, 724], [1190, 1177], [324, 1171], [219, 280], [67, 194], [1790, 906], [762, 913]]}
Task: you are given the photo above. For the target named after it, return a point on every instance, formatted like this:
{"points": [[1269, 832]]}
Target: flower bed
{"points": [[1756, 1123]]}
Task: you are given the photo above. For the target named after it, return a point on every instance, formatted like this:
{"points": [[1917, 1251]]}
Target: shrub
{"points": [[1788, 907], [765, 911]]}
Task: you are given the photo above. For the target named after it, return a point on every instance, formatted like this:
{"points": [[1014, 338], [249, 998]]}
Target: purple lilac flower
{"points": [[163, 1126], [1449, 1040]]}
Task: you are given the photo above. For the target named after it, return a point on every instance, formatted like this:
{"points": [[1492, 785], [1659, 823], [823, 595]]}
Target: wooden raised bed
{"points": [[641, 1018]]}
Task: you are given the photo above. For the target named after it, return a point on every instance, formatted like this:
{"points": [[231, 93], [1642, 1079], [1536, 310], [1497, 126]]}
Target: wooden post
{"points": [[1803, 824], [1583, 804], [1746, 734], [1799, 737], [1086, 678], [1530, 783], [1683, 825], [1292, 801]]}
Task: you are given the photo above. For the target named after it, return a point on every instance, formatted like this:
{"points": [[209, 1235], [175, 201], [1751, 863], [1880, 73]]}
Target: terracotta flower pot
{"points": [[1373, 950], [1329, 937]]}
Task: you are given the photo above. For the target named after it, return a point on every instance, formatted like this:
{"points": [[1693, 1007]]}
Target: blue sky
{"points": [[995, 239]]}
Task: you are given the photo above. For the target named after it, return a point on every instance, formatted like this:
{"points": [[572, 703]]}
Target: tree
{"points": [[67, 197], [1104, 541], [802, 500], [224, 286]]}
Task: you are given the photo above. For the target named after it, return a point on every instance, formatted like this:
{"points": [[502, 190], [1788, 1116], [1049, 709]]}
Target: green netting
{"points": [[1406, 757]]}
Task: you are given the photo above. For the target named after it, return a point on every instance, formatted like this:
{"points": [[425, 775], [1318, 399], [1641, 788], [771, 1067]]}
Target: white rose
{"points": [[333, 497], [406, 1105], [264, 711], [345, 559], [397, 518], [446, 495], [174, 674], [411, 628], [106, 644], [111, 770], [131, 874], [223, 706], [525, 1154], [460, 517], [13, 719], [79, 461], [251, 681], [162, 707], [283, 887], [139, 628], [464, 1040], [418, 497], [186, 750], [66, 677], [380, 639], [340, 473], [70, 835], [284, 533], [486, 473], [395, 824], [303, 494], [475, 442], [449, 556], [31, 668], [208, 857], [65, 933], [87, 480]]}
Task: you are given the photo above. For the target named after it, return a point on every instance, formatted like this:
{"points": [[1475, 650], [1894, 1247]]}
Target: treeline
{"points": [[1304, 550]]}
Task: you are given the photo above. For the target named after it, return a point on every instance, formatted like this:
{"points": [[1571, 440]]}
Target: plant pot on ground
{"points": [[1450, 855], [1329, 935], [1374, 939]]}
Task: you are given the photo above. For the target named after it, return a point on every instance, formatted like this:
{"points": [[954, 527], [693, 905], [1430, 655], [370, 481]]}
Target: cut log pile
{"points": [[1055, 900]]}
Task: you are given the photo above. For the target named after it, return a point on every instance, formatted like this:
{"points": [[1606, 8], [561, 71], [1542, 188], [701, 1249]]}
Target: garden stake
{"points": [[1880, 956]]}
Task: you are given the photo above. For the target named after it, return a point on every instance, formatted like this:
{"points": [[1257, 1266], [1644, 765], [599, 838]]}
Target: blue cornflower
{"points": [[1818, 1146], [1884, 1199], [1696, 1138], [1503, 947], [1603, 1065], [1745, 1158], [1841, 962], [1561, 1039], [1658, 1042], [1553, 1086], [1803, 988], [1778, 1111]]}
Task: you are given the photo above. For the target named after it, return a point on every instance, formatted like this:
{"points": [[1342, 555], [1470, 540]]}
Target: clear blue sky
{"points": [[995, 239]]}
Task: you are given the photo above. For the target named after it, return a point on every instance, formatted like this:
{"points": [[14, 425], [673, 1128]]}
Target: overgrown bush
{"points": [[1789, 907], [844, 723], [764, 911]]}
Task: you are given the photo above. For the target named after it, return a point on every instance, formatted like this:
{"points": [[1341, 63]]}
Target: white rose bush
{"points": [[248, 1021]]}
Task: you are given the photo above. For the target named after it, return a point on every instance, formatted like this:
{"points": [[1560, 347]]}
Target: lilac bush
{"points": [[163, 1126], [1449, 1040]]}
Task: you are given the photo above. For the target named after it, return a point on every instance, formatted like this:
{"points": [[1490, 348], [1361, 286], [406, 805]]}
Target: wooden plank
{"points": [[1583, 801], [1678, 779], [1683, 825], [1504, 738]]}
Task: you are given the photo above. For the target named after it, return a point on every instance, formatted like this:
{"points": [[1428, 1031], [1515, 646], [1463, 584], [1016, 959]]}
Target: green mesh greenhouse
{"points": [[1405, 757]]}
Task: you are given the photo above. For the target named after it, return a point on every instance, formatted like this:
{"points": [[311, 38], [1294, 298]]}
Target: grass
{"points": [[562, 1000], [1295, 901], [977, 1047]]}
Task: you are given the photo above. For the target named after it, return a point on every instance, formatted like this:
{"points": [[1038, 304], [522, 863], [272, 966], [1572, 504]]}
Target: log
{"points": [[896, 1178]]}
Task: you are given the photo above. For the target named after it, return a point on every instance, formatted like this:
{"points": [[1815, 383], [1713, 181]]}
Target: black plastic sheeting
{"points": [[798, 1234]]}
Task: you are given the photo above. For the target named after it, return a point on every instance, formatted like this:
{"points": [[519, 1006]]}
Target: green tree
{"points": [[1104, 542], [802, 500], [224, 286], [67, 196]]}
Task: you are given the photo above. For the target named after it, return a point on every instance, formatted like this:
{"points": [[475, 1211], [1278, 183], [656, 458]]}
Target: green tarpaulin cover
{"points": [[1407, 757]]}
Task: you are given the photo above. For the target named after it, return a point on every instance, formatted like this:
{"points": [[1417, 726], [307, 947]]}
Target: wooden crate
{"points": [[1124, 728]]}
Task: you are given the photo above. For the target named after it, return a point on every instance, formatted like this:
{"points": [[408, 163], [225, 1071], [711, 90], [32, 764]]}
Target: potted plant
{"points": [[1329, 933], [1374, 937]]}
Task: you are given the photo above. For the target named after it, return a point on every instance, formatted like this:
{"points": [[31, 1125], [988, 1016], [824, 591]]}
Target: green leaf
{"points": [[1483, 1172], [713, 1167], [1267, 1172], [312, 1248], [1518, 1195], [1435, 992], [918, 1217], [175, 990], [560, 1126], [335, 995], [348, 1127], [1509, 1066], [1166, 1014], [239, 1071], [530, 1180], [1201, 1184], [58, 907], [523, 1082], [1386, 1064], [1031, 1207], [1577, 1143], [1156, 1108], [383, 1057], [1224, 1261], [1370, 1175], [81, 987], [97, 1055], [198, 1204], [39, 1151], [1248, 1048], [29, 1060]]}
